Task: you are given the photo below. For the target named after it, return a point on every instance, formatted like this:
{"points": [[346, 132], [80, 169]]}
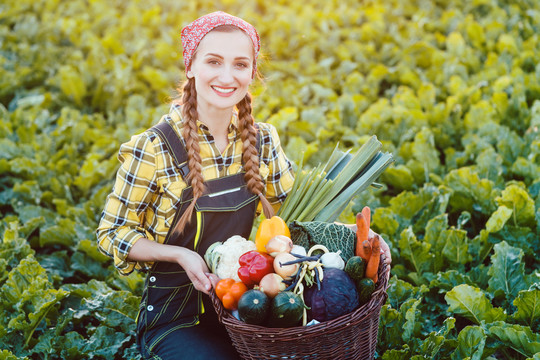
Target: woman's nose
{"points": [[226, 75]]}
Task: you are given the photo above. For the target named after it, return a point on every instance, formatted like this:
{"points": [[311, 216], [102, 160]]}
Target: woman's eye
{"points": [[242, 65]]}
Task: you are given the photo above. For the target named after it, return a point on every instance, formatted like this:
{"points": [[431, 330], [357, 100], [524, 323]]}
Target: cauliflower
{"points": [[222, 258]]}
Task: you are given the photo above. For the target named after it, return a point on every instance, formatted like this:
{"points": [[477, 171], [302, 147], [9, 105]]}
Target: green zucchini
{"points": [[253, 307], [355, 268], [286, 310], [365, 288]]}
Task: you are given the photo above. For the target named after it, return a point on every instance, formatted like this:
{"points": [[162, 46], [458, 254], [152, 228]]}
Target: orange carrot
{"points": [[366, 211], [366, 246], [362, 232], [373, 263]]}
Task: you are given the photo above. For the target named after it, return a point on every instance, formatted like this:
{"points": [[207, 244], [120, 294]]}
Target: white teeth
{"points": [[222, 89]]}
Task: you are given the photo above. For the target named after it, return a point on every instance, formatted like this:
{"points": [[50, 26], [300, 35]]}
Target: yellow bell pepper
{"points": [[268, 229]]}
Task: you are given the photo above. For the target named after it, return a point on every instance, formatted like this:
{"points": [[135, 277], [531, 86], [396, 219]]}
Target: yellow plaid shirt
{"points": [[148, 185]]}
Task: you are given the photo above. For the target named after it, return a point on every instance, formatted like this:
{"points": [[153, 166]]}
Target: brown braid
{"points": [[248, 132], [191, 138]]}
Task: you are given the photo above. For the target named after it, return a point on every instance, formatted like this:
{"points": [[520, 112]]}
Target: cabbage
{"points": [[336, 297], [334, 236]]}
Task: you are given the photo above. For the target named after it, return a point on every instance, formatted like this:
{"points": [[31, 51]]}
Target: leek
{"points": [[322, 193]]}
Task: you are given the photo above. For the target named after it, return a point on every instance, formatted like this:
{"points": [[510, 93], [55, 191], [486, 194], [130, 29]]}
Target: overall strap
{"points": [[174, 146]]}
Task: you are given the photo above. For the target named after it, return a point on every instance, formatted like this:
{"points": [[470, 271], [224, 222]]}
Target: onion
{"points": [[271, 284], [285, 271], [278, 244]]}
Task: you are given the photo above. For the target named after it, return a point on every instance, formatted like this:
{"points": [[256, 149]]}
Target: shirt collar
{"points": [[176, 114]]}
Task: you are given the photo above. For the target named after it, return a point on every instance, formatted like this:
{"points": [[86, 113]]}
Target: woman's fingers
{"points": [[196, 270], [214, 279]]}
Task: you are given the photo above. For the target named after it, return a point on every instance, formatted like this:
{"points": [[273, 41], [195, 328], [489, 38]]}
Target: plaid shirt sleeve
{"points": [[280, 172], [120, 226]]}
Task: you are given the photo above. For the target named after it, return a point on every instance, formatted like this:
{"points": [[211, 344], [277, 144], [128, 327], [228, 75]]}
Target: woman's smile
{"points": [[223, 91]]}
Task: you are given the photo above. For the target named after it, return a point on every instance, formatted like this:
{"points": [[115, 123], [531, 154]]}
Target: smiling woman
{"points": [[222, 70], [194, 179]]}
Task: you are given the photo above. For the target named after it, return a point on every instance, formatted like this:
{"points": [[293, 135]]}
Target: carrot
{"points": [[366, 211], [366, 249], [362, 232], [373, 263]]}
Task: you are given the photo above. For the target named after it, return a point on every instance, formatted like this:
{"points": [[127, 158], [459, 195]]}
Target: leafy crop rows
{"points": [[451, 88]]}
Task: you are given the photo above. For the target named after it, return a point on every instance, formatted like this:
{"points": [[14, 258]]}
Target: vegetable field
{"points": [[450, 87]]}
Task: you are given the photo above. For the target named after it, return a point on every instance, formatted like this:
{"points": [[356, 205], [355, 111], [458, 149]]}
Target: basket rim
{"points": [[369, 309]]}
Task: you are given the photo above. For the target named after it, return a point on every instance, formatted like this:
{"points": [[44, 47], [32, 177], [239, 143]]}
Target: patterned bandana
{"points": [[193, 33]]}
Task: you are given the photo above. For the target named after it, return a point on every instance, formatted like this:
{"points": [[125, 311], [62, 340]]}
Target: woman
{"points": [[194, 179]]}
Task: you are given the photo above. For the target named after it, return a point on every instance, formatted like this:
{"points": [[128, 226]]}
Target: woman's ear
{"points": [[189, 74]]}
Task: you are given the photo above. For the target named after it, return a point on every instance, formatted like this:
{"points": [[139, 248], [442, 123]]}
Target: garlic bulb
{"points": [[333, 260]]}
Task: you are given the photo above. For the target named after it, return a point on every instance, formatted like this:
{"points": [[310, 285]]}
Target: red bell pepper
{"points": [[253, 266]]}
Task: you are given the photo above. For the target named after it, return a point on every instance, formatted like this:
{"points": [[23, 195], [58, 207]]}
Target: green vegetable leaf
{"points": [[399, 177], [402, 354], [432, 345], [469, 189], [423, 149], [518, 237], [471, 303], [437, 205], [412, 319], [447, 280], [516, 198], [417, 253], [471, 343], [434, 235], [61, 234], [528, 308], [399, 291], [8, 355], [507, 271], [497, 220], [385, 221], [456, 247], [519, 338], [390, 325], [27, 296]]}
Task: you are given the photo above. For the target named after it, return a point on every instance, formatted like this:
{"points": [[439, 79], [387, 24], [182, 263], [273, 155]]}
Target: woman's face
{"points": [[222, 68]]}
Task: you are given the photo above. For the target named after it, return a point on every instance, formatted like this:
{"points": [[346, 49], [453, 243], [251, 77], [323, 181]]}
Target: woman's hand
{"points": [[197, 270], [193, 264]]}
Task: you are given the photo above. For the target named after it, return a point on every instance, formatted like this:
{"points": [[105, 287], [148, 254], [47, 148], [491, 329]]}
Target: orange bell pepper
{"points": [[268, 229], [229, 292]]}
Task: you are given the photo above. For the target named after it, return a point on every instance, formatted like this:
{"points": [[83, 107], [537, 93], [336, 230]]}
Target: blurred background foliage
{"points": [[451, 88]]}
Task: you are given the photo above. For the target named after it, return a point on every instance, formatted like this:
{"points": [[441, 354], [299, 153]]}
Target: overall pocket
{"points": [[170, 296]]}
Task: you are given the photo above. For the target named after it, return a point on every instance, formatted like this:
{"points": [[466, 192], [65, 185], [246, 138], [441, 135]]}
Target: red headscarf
{"points": [[193, 33]]}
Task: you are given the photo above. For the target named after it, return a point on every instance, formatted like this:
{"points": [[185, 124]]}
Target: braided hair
{"points": [[250, 156]]}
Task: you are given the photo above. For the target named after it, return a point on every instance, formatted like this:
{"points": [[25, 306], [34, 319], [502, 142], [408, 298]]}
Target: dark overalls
{"points": [[173, 323]]}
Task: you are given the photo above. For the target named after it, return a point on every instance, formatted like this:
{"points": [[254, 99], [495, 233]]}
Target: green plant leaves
{"points": [[507, 271], [518, 200], [518, 337], [416, 252], [528, 308], [471, 303], [26, 298], [471, 343]]}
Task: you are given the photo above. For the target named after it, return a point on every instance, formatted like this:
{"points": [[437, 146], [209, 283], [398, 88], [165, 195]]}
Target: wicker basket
{"points": [[351, 336]]}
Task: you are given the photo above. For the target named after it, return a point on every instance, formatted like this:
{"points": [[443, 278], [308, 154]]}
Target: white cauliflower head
{"points": [[228, 253]]}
